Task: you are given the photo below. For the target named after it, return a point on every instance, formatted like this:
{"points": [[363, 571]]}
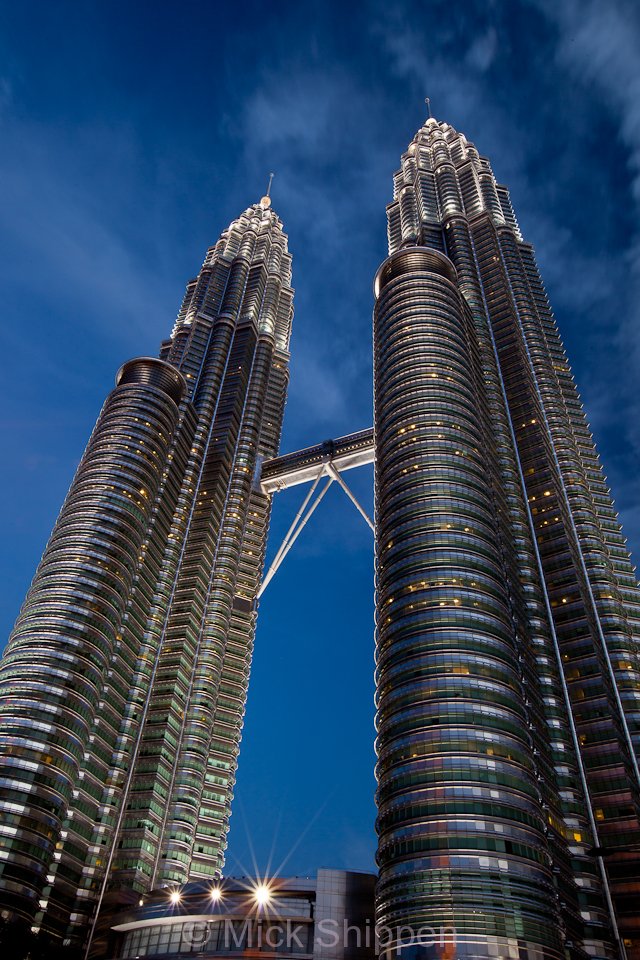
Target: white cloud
{"points": [[600, 43], [482, 51], [294, 115]]}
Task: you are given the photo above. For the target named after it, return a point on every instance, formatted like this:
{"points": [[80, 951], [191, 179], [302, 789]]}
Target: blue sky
{"points": [[132, 133]]}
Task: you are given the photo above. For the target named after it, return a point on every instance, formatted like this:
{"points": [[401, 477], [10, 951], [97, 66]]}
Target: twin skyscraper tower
{"points": [[508, 669]]}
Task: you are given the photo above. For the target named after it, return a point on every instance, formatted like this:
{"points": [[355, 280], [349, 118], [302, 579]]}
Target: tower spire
{"points": [[427, 100], [266, 200]]}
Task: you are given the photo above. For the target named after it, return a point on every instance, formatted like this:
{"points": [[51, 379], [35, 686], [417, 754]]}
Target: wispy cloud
{"points": [[599, 46], [306, 124], [54, 214], [482, 51], [600, 43]]}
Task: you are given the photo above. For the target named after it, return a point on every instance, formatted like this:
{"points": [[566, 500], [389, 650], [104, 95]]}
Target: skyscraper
{"points": [[508, 674], [508, 677], [123, 686]]}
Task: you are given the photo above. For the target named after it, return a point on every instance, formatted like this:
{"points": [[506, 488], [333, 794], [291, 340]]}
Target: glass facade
{"points": [[508, 682], [123, 686], [187, 937], [326, 917]]}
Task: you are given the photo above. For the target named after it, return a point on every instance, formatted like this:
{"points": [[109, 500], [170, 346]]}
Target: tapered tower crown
{"points": [[442, 176]]}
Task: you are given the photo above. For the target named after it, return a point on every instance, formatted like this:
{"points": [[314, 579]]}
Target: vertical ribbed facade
{"points": [[123, 686], [507, 607]]}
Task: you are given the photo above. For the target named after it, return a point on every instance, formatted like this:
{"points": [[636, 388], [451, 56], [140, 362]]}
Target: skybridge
{"points": [[353, 450]]}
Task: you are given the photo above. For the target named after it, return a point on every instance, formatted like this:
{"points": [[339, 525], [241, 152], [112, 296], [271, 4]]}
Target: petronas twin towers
{"points": [[508, 668]]}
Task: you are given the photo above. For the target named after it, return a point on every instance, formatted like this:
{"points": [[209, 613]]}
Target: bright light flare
{"points": [[262, 894], [175, 896], [215, 894]]}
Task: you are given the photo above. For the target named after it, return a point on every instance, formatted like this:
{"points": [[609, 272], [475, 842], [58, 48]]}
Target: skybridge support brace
{"points": [[295, 530], [326, 460]]}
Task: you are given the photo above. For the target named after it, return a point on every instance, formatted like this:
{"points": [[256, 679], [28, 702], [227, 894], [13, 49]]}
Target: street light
{"points": [[262, 894]]}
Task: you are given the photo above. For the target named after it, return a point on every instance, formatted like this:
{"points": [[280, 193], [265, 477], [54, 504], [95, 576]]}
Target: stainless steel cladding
{"points": [[507, 606], [123, 688], [461, 830]]}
